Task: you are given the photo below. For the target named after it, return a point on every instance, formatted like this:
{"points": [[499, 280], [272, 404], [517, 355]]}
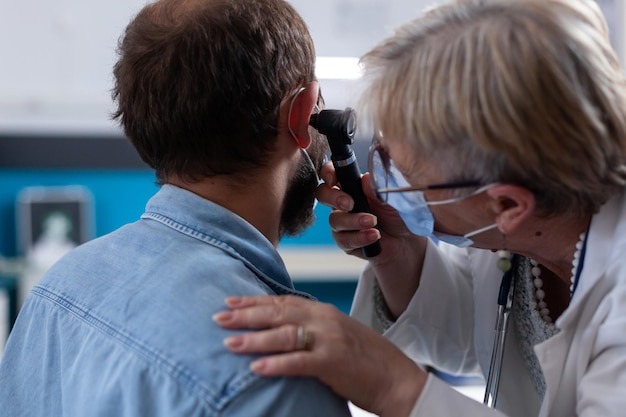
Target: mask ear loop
{"points": [[481, 230], [293, 100], [454, 200], [305, 154]]}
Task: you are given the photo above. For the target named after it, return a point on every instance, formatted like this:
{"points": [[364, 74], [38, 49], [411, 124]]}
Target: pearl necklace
{"points": [[540, 294]]}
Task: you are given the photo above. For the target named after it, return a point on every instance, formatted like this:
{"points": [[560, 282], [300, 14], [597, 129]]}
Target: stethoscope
{"points": [[505, 303]]}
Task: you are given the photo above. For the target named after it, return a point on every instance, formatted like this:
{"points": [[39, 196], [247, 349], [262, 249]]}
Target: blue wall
{"points": [[120, 197]]}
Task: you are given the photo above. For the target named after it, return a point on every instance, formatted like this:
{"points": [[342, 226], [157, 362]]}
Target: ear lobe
{"points": [[301, 110], [512, 204]]}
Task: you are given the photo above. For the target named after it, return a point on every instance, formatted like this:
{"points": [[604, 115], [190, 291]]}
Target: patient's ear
{"points": [[301, 111], [512, 205]]}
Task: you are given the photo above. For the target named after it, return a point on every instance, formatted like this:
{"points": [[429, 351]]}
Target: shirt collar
{"points": [[207, 221]]}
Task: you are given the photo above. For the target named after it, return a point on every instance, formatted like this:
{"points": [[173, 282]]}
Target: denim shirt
{"points": [[122, 325]]}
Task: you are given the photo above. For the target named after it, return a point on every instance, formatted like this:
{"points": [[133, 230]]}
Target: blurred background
{"points": [[67, 174]]}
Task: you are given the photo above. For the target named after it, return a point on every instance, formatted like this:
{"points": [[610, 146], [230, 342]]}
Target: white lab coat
{"points": [[449, 324]]}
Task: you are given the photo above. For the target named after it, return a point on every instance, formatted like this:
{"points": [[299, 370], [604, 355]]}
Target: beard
{"points": [[298, 214]]}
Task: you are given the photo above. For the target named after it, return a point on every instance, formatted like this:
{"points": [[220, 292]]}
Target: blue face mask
{"points": [[416, 215]]}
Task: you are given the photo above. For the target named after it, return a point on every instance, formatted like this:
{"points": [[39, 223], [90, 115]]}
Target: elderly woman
{"points": [[502, 131]]}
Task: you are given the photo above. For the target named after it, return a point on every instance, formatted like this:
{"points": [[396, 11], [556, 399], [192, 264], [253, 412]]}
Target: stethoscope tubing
{"points": [[505, 303]]}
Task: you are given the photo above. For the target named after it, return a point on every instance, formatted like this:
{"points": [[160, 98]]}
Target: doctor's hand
{"points": [[399, 265], [308, 338], [353, 231]]}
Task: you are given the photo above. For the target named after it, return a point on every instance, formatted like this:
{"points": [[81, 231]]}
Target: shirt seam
{"points": [[204, 237]]}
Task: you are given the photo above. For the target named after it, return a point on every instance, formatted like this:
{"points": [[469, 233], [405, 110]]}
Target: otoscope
{"points": [[339, 128]]}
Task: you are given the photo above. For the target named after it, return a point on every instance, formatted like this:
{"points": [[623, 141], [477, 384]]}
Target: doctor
{"points": [[503, 138]]}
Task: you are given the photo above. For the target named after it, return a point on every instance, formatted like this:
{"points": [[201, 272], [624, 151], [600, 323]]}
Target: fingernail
{"points": [[344, 203], [233, 342], [234, 301], [367, 221], [223, 317], [373, 235], [257, 366]]}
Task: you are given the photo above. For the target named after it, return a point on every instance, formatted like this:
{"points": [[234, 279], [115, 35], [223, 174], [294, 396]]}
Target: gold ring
{"points": [[304, 339]]}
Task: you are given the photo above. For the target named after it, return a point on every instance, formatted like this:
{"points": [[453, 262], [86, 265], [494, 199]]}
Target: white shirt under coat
{"points": [[449, 324]]}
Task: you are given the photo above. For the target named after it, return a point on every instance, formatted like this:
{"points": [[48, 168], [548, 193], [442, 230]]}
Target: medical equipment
{"points": [[505, 302], [339, 128]]}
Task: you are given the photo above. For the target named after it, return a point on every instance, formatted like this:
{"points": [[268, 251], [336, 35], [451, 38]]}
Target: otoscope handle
{"points": [[349, 176], [339, 127]]}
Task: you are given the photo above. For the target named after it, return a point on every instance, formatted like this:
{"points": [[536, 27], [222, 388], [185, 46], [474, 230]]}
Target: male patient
{"points": [[216, 96]]}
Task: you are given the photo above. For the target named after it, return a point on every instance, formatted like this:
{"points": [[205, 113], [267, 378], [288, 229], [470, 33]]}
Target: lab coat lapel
{"points": [[552, 359], [600, 243], [553, 353], [558, 358]]}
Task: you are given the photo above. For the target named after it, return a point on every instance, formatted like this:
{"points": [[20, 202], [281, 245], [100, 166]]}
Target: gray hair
{"points": [[528, 92]]}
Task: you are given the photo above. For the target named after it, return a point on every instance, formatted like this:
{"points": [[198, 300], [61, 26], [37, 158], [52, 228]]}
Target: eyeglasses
{"points": [[386, 178]]}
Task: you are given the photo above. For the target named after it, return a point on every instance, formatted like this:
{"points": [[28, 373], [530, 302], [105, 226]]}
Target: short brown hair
{"points": [[199, 83], [527, 92]]}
